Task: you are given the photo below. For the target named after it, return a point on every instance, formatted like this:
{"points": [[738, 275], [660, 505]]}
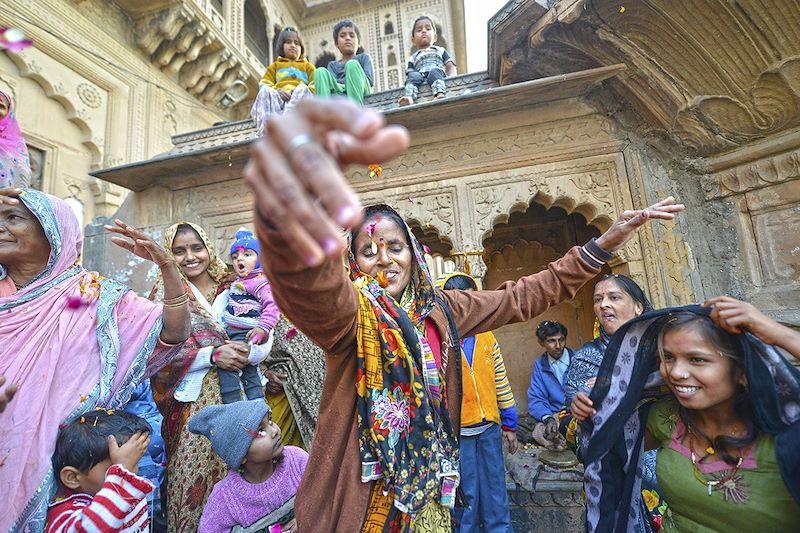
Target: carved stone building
{"points": [[109, 82], [588, 109]]}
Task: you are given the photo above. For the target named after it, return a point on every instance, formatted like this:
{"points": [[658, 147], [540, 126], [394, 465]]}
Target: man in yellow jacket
{"points": [[488, 416]]}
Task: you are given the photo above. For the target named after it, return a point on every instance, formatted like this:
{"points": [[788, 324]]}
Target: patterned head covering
{"points": [[216, 266], [613, 452], [419, 297], [15, 167], [406, 435]]}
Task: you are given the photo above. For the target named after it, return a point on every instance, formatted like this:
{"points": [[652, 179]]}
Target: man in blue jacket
{"points": [[546, 392]]}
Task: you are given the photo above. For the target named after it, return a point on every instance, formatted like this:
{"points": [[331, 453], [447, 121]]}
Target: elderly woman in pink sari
{"points": [[70, 340], [15, 169]]}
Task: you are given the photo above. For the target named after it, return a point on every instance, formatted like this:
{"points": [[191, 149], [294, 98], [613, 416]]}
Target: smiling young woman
{"points": [[726, 435]]}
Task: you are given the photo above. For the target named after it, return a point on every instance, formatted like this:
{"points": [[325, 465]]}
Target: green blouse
{"points": [[757, 499]]}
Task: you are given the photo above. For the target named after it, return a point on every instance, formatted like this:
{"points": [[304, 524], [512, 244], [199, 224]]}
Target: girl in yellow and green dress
{"points": [[727, 434]]}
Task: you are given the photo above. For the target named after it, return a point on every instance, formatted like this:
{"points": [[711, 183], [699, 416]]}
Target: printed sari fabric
{"points": [[408, 447], [613, 450], [73, 340], [15, 168], [192, 466], [303, 362]]}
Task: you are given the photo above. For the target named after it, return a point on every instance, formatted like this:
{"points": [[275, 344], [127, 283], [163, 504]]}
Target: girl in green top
{"points": [[726, 424]]}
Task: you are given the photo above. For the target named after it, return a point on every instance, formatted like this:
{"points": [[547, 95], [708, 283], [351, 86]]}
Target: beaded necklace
{"points": [[730, 482]]}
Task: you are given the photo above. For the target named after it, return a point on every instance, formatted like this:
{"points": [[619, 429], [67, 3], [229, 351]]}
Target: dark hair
{"points": [[283, 35], [378, 211], [186, 228], [84, 443], [548, 328], [461, 281], [727, 345], [347, 23], [631, 288], [424, 17]]}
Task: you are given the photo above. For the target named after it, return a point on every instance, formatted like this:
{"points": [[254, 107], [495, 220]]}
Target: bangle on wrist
{"points": [[214, 356], [177, 301]]}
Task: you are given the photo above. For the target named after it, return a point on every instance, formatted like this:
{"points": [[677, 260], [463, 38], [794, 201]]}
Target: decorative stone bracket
{"points": [[182, 41]]}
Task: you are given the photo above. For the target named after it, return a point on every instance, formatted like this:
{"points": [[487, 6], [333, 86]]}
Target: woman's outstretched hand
{"points": [[625, 227], [142, 245], [295, 171]]}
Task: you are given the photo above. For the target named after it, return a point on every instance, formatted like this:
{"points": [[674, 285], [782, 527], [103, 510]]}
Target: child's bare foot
{"points": [[440, 96], [406, 100]]}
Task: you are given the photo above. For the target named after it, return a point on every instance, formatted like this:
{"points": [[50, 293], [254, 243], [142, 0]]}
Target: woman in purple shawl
{"points": [[15, 168], [70, 340]]}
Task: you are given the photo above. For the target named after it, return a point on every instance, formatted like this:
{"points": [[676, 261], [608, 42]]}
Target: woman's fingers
{"points": [[582, 406], [281, 198], [340, 114], [7, 193], [123, 243], [298, 182], [386, 144], [316, 169]]}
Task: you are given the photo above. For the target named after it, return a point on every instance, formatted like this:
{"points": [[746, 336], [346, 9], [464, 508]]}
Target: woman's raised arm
{"points": [[176, 325]]}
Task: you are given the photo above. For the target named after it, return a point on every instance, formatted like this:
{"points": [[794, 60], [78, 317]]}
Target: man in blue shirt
{"points": [[546, 391]]}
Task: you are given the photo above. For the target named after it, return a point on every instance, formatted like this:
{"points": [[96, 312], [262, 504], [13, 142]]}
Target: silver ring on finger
{"points": [[301, 139]]}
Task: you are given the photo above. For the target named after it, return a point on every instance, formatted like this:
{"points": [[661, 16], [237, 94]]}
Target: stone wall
{"points": [[475, 160], [710, 103]]}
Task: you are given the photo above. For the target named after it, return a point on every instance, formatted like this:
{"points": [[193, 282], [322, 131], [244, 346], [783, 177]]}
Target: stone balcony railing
{"points": [[187, 39]]}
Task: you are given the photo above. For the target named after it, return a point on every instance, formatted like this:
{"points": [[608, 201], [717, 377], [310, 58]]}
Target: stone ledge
{"points": [[456, 86], [228, 143]]}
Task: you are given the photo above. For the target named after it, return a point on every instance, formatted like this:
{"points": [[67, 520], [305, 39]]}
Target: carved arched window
{"points": [[388, 28], [391, 59], [255, 30], [218, 7]]}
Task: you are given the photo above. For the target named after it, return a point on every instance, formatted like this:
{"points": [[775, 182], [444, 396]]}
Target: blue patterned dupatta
{"points": [[73, 341], [613, 452]]}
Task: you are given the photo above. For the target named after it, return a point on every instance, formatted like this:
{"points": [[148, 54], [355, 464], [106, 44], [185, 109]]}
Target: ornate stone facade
{"points": [[108, 83], [717, 111], [511, 171]]}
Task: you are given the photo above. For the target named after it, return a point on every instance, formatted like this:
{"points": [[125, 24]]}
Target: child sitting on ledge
{"points": [[430, 63]]}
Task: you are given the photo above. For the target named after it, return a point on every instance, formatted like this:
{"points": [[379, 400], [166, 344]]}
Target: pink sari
{"points": [[15, 169], [67, 360]]}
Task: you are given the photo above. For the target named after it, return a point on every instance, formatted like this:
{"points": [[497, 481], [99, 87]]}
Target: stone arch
{"points": [[438, 248], [75, 109], [525, 243], [388, 28], [588, 194]]}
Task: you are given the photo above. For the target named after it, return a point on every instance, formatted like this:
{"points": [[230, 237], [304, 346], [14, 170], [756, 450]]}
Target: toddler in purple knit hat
{"points": [[258, 492]]}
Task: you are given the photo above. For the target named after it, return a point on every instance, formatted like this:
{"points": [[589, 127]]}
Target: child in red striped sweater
{"points": [[96, 461]]}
